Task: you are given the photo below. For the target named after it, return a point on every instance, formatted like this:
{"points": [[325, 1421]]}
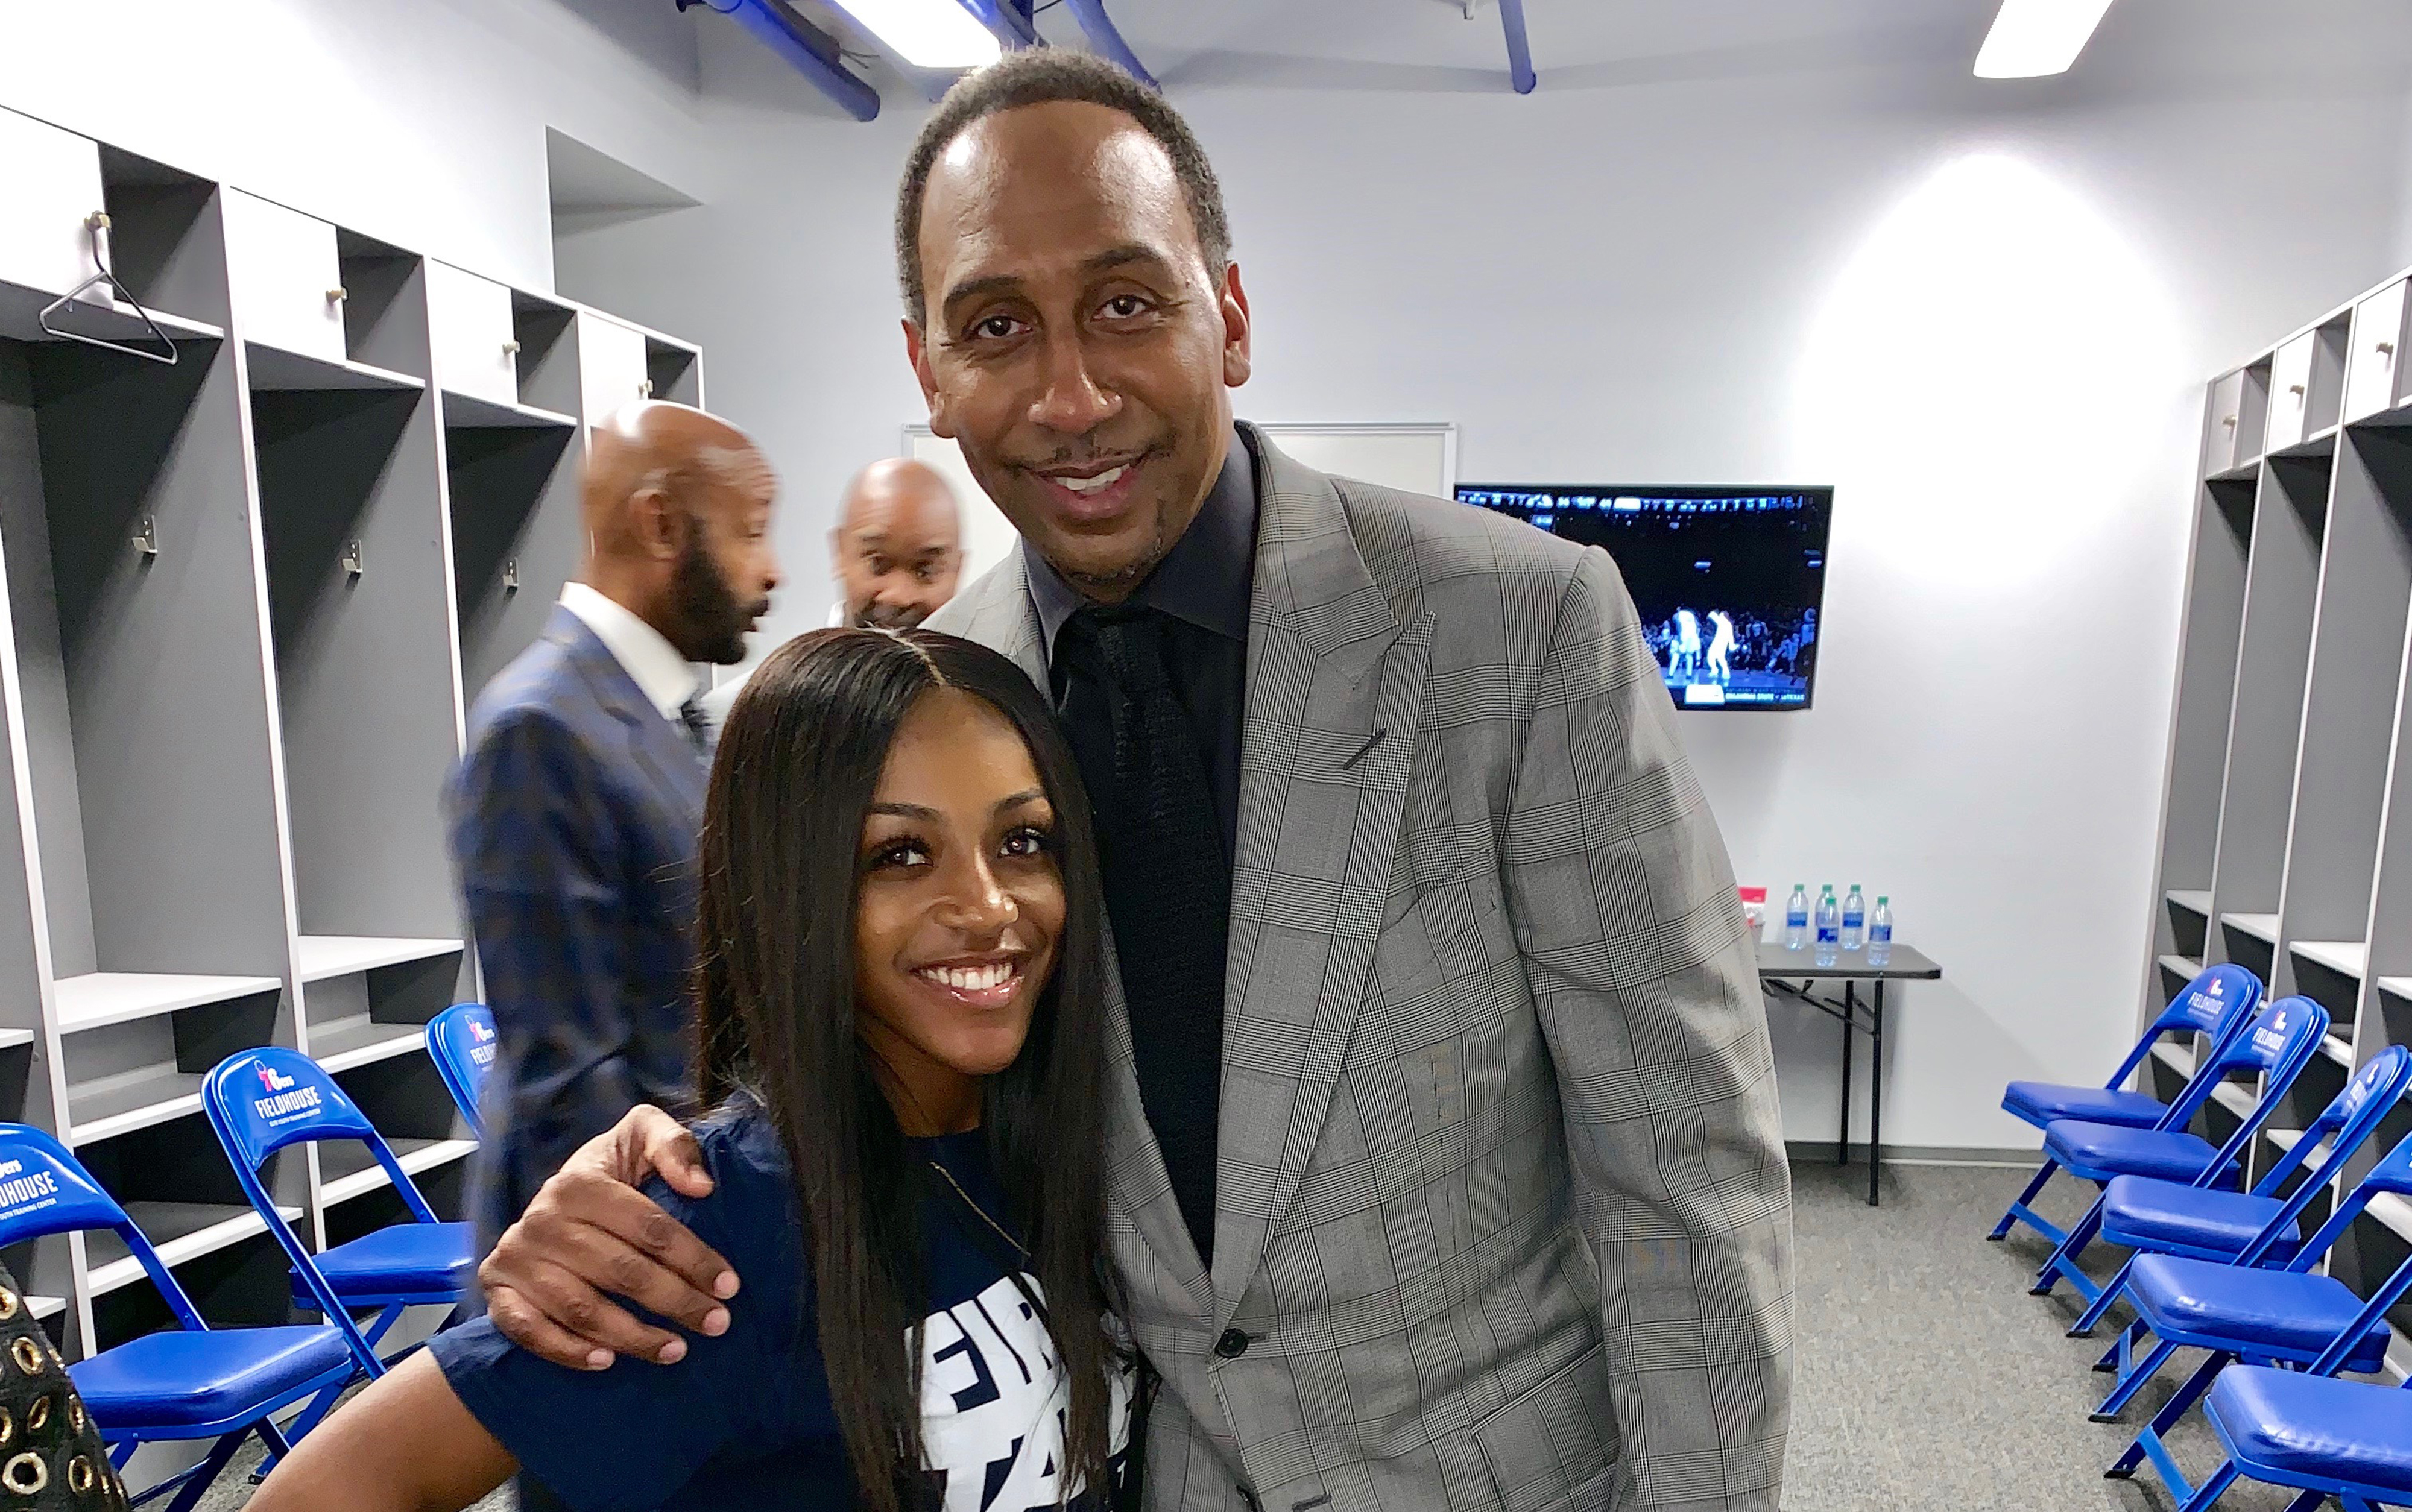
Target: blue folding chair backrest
{"points": [[460, 1040], [44, 1190], [266, 1100], [2275, 1044], [2345, 1124], [2393, 1174], [2216, 1004]]}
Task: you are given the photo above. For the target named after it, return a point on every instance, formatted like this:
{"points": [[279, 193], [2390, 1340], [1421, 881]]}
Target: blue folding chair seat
{"points": [[2269, 1315], [2313, 1431], [2256, 1228], [2142, 1213], [189, 1381], [180, 1380], [2218, 1004], [2042, 1103], [2099, 1151], [2276, 1045], [399, 1260], [2246, 1316]]}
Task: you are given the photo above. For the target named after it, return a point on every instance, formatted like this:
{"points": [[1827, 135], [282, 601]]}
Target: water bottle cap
{"points": [[1882, 898]]}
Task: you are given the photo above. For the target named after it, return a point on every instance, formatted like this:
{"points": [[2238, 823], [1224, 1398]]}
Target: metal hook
{"points": [[512, 576], [146, 536], [97, 224], [351, 559]]}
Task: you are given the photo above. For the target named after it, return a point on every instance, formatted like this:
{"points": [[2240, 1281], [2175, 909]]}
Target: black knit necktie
{"points": [[698, 723], [1168, 887]]}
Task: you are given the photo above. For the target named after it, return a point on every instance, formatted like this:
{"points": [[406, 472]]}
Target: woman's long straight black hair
{"points": [[799, 758]]}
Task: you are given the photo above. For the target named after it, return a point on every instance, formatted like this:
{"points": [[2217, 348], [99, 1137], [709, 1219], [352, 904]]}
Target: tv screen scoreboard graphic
{"points": [[1729, 582]]}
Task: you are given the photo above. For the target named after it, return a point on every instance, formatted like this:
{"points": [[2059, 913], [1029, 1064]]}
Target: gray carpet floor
{"points": [[1927, 1378]]}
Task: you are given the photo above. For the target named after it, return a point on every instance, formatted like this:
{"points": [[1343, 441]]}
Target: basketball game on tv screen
{"points": [[1729, 581]]}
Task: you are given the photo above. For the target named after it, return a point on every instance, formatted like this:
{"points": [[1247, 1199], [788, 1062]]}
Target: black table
{"points": [[1795, 975]]}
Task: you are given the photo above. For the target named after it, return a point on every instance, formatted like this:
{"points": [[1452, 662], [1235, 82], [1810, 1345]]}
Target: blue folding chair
{"points": [[188, 1381], [265, 1100], [2351, 1440], [2313, 1323], [461, 1041], [2218, 1004], [2151, 1216], [2279, 1042]]}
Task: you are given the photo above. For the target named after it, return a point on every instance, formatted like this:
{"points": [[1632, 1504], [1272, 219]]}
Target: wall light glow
{"points": [[1990, 377]]}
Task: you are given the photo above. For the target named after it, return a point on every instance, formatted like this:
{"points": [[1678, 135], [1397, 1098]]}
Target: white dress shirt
{"points": [[666, 679]]}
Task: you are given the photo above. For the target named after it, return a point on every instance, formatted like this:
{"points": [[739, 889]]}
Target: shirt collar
{"points": [[1206, 578], [666, 679]]}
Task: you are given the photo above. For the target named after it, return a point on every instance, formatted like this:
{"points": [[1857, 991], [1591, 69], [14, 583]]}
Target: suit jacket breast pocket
{"points": [[1556, 1444]]}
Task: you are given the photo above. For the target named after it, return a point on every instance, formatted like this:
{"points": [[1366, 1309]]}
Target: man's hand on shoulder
{"points": [[590, 1235]]}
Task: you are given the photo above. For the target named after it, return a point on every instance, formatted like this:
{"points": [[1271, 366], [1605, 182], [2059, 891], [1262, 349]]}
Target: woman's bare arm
{"points": [[405, 1444]]}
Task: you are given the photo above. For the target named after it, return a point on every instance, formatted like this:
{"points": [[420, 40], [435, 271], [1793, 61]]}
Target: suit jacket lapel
{"points": [[1164, 1263], [661, 751], [1335, 683]]}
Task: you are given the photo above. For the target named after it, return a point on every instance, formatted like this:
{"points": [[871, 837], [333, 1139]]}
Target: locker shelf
{"points": [[2193, 900], [351, 1043], [100, 998], [110, 1106], [343, 955], [348, 1170], [180, 1231], [275, 370], [2347, 957], [468, 412], [2261, 926]]}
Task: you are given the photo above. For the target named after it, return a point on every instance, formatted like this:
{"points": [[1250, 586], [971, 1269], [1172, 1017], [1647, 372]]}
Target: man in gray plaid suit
{"points": [[1460, 1183]]}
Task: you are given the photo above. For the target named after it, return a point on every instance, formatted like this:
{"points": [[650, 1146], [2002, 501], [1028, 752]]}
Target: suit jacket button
{"points": [[1232, 1344]]}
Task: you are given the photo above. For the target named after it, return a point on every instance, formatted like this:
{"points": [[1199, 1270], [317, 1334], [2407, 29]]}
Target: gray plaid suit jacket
{"points": [[1502, 1204]]}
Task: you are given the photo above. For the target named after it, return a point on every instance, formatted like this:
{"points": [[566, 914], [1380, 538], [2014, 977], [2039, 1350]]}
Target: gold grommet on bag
{"points": [[8, 1428], [38, 1415], [79, 1476], [28, 1355], [7, 1304], [25, 1474], [75, 1414]]}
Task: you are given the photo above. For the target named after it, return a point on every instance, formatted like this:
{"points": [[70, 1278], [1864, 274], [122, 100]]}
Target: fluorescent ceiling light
{"points": [[2034, 37], [928, 34]]}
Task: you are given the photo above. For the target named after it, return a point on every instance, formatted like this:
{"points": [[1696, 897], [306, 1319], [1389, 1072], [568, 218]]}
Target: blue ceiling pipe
{"points": [[1099, 29], [809, 51], [1009, 19], [1520, 51]]}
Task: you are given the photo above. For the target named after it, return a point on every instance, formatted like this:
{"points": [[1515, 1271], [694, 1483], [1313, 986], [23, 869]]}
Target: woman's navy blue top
{"points": [[745, 1420]]}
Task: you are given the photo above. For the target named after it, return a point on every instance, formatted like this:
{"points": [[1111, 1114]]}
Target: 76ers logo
{"points": [[269, 1079]]}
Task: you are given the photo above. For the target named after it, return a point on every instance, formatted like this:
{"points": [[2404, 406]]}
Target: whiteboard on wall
{"points": [[1420, 459]]}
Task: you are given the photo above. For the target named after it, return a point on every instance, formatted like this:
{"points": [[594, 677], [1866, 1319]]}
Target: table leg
{"points": [[1843, 1140], [1875, 1092]]}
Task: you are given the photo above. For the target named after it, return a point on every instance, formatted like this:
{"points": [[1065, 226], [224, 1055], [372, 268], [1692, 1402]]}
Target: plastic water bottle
{"points": [[1880, 932], [1796, 917], [1855, 919], [1830, 926]]}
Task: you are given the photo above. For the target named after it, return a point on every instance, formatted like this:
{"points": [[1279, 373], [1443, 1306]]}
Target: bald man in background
{"points": [[896, 553], [575, 810], [898, 548]]}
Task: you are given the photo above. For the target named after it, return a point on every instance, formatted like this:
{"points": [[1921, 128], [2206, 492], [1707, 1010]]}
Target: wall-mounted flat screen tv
{"points": [[1729, 581]]}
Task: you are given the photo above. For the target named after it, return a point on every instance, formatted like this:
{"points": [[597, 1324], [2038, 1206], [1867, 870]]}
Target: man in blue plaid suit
{"points": [[1445, 1173], [575, 808]]}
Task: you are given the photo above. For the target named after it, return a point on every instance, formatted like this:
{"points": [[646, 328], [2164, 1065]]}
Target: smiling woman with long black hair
{"points": [[900, 1006]]}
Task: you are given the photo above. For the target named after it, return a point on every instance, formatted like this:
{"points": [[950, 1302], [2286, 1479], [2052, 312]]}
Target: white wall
{"points": [[420, 121], [1983, 312]]}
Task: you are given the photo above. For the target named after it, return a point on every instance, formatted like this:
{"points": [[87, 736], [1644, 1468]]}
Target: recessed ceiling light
{"points": [[928, 34], [2034, 37]]}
